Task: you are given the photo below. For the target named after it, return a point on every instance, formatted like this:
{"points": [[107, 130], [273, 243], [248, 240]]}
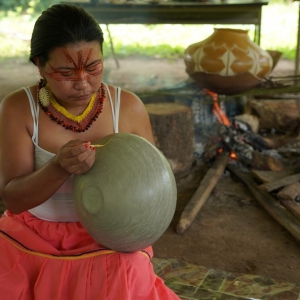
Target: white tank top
{"points": [[60, 207]]}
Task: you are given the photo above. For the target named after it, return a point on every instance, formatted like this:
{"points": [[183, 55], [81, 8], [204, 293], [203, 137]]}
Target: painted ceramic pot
{"points": [[128, 198], [227, 62]]}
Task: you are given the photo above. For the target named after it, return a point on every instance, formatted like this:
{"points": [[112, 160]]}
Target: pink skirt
{"points": [[60, 261]]}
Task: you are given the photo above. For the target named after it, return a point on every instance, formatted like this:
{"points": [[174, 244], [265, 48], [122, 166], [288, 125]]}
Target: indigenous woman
{"points": [[46, 133]]}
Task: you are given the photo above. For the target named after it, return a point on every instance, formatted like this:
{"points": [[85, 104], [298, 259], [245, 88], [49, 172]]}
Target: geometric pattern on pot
{"points": [[228, 52]]}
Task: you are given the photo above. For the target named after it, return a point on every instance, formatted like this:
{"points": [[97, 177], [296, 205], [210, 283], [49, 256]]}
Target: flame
{"points": [[218, 112], [221, 116], [233, 155]]}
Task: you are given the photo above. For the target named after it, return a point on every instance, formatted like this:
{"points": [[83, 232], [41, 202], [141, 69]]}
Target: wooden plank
{"points": [[292, 206], [274, 185], [164, 12], [289, 192], [269, 203], [269, 176], [207, 184]]}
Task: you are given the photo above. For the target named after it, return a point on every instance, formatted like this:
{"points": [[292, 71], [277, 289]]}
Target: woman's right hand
{"points": [[76, 157]]}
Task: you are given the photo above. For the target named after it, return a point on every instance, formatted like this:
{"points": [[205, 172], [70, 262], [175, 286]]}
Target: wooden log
{"points": [[289, 192], [251, 120], [268, 176], [173, 130], [207, 184], [291, 150], [274, 185], [260, 161], [280, 114], [270, 204]]}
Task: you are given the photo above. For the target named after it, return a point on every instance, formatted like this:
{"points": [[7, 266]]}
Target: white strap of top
{"points": [[115, 109], [35, 114]]}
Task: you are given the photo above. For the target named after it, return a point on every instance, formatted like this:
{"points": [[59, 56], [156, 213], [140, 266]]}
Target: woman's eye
{"points": [[67, 74], [90, 69]]}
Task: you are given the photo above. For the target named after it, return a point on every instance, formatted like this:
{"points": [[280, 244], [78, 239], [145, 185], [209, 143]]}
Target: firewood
{"points": [[269, 176], [283, 141], [270, 204], [280, 114], [291, 150], [211, 150], [292, 206], [251, 120], [289, 192], [207, 184], [246, 151], [261, 161], [276, 184]]}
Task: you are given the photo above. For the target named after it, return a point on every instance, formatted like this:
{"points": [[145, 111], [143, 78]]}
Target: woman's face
{"points": [[74, 72]]}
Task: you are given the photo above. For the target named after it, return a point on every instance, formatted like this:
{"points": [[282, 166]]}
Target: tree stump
{"points": [[173, 130]]}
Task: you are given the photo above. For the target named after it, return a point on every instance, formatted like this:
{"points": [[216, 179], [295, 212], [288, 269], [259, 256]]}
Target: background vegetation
{"points": [[279, 31]]}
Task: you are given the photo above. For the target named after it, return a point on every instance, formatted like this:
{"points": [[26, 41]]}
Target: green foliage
{"points": [[25, 6], [159, 51], [279, 31], [287, 53]]}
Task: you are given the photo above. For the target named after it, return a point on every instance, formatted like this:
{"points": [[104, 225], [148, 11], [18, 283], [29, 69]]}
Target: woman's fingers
{"points": [[76, 157]]}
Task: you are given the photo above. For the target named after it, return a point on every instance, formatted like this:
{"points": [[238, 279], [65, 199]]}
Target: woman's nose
{"points": [[80, 84], [81, 80]]}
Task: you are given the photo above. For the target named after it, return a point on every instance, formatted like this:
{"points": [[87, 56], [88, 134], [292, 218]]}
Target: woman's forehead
{"points": [[79, 53]]}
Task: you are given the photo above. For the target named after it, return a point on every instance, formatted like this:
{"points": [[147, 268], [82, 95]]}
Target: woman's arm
{"points": [[134, 117], [21, 187]]}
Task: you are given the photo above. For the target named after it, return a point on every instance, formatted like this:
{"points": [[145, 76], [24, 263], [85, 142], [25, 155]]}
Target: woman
{"points": [[46, 133]]}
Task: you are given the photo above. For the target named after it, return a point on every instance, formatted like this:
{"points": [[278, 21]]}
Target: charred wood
{"points": [[291, 150]]}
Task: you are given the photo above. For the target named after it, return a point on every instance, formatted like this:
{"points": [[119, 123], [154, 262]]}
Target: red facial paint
{"points": [[82, 70]]}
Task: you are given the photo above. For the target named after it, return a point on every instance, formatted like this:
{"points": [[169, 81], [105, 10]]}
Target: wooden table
{"points": [[210, 12]]}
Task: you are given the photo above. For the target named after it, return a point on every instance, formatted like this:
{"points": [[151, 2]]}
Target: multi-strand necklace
{"points": [[61, 116]]}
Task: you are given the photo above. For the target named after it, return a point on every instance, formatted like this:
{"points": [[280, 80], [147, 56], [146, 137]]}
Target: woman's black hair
{"points": [[60, 25]]}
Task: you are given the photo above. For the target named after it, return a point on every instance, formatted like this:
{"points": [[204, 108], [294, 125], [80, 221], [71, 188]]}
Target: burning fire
{"points": [[218, 112], [220, 115]]}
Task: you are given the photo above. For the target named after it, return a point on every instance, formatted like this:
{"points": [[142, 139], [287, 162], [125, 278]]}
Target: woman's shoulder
{"points": [[16, 101], [128, 98], [17, 95], [134, 117]]}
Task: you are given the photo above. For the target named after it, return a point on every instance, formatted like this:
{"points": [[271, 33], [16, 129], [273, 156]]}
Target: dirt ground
{"points": [[232, 232]]}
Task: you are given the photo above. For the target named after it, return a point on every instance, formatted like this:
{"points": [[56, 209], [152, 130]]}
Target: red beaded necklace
{"points": [[61, 116]]}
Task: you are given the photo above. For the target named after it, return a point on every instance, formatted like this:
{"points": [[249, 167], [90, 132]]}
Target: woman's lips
{"points": [[83, 97]]}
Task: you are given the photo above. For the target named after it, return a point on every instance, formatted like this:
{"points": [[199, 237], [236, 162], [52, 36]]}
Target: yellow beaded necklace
{"points": [[62, 117]]}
